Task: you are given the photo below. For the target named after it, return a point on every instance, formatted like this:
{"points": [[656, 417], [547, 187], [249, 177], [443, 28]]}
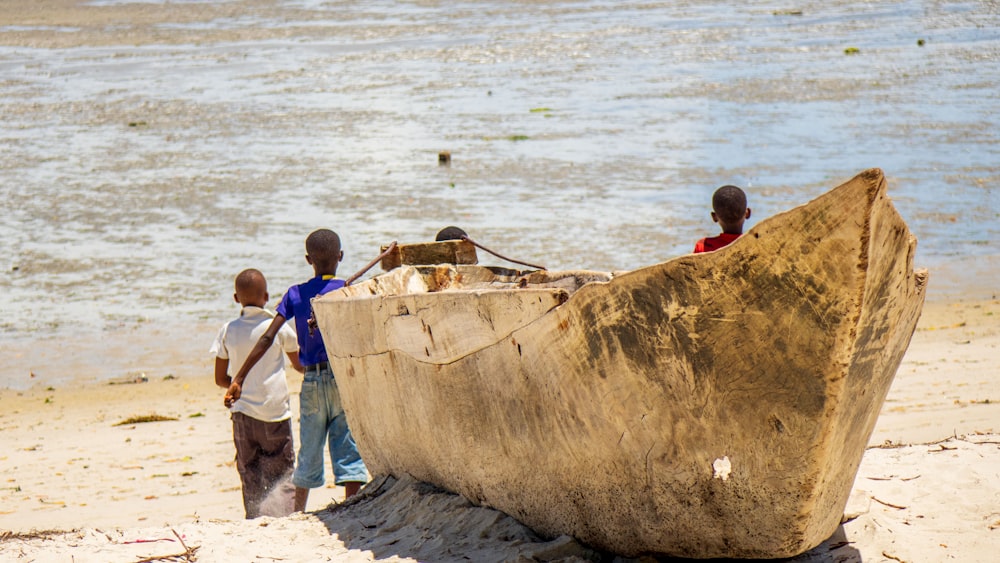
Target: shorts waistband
{"points": [[318, 367]]}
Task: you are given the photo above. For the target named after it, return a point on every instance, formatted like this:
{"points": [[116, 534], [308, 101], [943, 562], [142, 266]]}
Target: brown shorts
{"points": [[265, 458]]}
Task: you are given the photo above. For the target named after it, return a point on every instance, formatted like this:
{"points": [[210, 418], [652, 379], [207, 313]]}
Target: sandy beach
{"points": [[152, 149], [81, 486]]}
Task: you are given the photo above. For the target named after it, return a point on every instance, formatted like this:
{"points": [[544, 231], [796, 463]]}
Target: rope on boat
{"points": [[363, 271], [500, 256]]}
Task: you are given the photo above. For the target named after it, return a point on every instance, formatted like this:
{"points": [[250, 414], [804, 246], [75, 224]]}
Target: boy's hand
{"points": [[311, 322], [233, 394]]}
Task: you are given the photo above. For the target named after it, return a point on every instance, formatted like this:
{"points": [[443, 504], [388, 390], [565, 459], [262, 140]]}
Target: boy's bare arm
{"points": [[222, 378], [265, 341], [293, 357]]}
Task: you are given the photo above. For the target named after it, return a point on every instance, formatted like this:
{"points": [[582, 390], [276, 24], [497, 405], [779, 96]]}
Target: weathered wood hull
{"points": [[714, 405]]}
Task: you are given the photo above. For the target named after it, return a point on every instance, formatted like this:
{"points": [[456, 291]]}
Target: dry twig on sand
{"points": [[188, 555], [6, 535], [889, 504]]}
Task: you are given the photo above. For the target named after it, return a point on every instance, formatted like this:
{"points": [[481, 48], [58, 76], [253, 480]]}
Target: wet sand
{"points": [[154, 149]]}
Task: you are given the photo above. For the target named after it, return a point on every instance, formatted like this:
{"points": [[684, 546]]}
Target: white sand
{"points": [[67, 466]]}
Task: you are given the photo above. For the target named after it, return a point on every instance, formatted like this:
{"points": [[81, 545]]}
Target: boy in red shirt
{"points": [[729, 210]]}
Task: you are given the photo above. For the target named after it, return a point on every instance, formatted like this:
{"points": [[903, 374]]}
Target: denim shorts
{"points": [[322, 421]]}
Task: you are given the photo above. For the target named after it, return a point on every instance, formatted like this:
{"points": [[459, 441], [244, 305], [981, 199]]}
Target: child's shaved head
{"points": [[323, 249], [450, 233], [730, 204], [251, 288]]}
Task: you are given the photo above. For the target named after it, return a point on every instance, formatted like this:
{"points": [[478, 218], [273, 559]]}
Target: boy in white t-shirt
{"points": [[262, 428]]}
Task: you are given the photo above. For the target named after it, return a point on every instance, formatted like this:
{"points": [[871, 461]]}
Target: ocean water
{"points": [[151, 150]]}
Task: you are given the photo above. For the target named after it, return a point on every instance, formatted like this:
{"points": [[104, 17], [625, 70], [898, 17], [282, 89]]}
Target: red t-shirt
{"points": [[714, 243]]}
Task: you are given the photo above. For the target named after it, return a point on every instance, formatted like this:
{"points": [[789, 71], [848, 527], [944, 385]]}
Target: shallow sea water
{"points": [[151, 150]]}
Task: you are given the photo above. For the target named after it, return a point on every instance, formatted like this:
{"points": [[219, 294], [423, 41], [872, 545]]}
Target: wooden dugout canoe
{"points": [[714, 405]]}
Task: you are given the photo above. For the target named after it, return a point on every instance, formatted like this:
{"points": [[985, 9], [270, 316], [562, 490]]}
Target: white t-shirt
{"points": [[265, 392]]}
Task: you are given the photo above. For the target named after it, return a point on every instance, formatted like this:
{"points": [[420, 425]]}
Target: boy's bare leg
{"points": [[301, 497], [351, 488]]}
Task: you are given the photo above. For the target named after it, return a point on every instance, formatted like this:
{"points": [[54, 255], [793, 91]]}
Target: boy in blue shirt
{"points": [[321, 415]]}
